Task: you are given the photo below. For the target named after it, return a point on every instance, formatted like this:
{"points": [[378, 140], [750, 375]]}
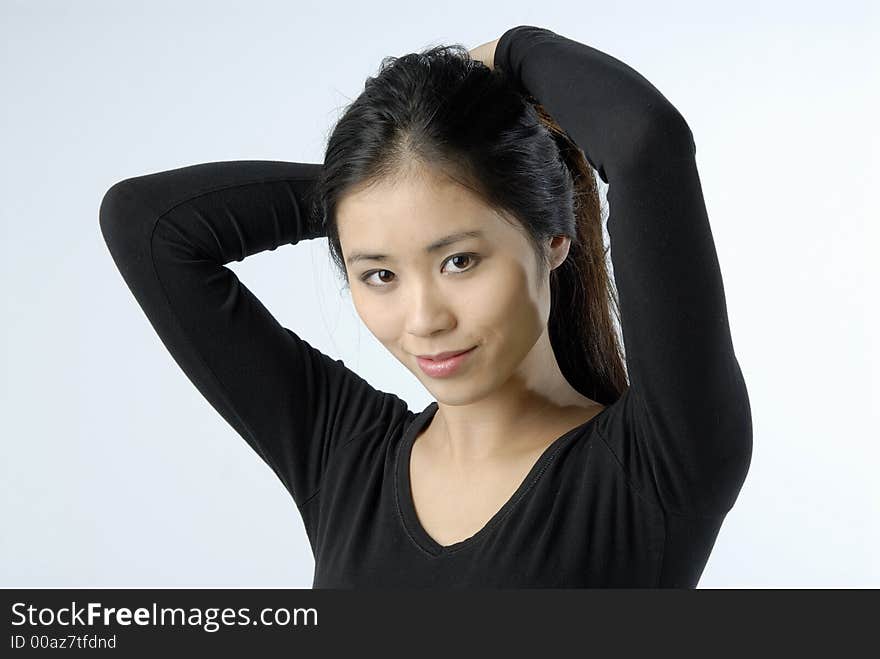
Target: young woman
{"points": [[458, 198]]}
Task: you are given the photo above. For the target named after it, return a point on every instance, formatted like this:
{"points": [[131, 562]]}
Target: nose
{"points": [[427, 312]]}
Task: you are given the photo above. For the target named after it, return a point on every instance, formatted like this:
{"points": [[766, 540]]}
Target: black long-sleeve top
{"points": [[634, 497]]}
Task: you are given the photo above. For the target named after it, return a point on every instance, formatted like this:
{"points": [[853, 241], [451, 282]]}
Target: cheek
{"points": [[505, 310], [378, 318]]}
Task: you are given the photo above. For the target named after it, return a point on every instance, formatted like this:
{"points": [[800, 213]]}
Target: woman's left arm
{"points": [[686, 421]]}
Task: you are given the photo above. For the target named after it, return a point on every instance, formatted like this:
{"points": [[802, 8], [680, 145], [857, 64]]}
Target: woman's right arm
{"points": [[170, 235]]}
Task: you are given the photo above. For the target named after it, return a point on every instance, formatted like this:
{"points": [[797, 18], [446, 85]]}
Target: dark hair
{"points": [[442, 109]]}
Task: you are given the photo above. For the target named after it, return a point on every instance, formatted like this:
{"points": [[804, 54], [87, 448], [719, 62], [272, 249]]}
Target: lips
{"points": [[440, 356], [446, 367]]}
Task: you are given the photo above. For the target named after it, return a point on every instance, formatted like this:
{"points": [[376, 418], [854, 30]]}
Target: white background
{"points": [[116, 472]]}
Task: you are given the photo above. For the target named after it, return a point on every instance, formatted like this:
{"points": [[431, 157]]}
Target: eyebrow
{"points": [[433, 247]]}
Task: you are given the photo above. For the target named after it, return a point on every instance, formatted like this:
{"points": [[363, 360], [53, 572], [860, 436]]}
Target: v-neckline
{"points": [[403, 484]]}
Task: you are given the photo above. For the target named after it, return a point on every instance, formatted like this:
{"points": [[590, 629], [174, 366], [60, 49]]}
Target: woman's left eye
{"points": [[467, 257]]}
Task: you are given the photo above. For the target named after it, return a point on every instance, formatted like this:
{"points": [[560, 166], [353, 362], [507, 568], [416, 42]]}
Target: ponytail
{"points": [[582, 332]]}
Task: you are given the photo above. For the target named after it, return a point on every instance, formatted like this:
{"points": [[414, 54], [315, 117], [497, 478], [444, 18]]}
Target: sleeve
{"points": [[170, 235], [685, 421]]}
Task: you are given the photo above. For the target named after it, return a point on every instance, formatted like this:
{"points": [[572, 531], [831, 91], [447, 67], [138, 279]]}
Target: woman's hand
{"points": [[485, 53]]}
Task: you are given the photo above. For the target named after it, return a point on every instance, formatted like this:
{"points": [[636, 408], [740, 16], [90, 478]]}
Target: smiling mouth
{"points": [[440, 356], [447, 367]]}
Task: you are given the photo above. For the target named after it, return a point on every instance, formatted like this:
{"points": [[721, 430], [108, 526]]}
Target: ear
{"points": [[558, 249]]}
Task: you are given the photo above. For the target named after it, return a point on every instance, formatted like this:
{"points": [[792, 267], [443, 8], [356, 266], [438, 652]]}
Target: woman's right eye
{"points": [[367, 276]]}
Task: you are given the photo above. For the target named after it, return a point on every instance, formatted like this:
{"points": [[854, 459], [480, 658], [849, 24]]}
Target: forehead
{"points": [[405, 214]]}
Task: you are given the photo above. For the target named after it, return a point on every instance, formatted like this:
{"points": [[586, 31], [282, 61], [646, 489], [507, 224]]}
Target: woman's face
{"points": [[481, 290]]}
